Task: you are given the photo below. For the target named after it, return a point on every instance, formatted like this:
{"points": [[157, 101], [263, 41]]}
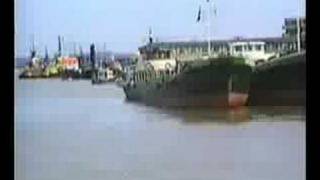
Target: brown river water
{"points": [[71, 130]]}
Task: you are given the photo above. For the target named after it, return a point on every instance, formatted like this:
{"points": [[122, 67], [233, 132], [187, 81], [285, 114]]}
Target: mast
{"points": [[104, 51], [150, 36], [59, 46], [74, 49], [298, 29], [92, 55], [33, 51], [46, 58], [298, 35], [33, 44], [80, 52], [209, 9], [209, 27], [80, 49], [62, 46]]}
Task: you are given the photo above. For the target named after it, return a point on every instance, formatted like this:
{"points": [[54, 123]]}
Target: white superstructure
{"points": [[158, 61], [252, 51]]}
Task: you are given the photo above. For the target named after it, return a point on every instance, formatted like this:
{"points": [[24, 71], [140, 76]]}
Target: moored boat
{"points": [[218, 82], [281, 82]]}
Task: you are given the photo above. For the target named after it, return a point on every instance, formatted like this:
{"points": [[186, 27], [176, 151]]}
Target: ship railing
{"points": [[152, 75]]}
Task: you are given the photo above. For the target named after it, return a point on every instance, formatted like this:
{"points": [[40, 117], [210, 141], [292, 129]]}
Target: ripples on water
{"points": [[73, 130]]}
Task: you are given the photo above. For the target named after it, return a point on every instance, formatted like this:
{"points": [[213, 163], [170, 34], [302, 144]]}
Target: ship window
{"points": [[250, 47], [215, 48], [168, 54], [183, 51], [193, 50], [238, 48], [258, 47], [204, 49], [188, 50]]}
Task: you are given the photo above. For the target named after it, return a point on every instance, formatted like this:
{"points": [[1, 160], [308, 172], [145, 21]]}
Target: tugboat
{"points": [[42, 68], [35, 67], [103, 75], [103, 72]]}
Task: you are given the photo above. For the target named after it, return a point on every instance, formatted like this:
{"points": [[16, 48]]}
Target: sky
{"points": [[123, 25]]}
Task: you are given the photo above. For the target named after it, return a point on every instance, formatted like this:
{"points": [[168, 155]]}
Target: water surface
{"points": [[71, 130]]}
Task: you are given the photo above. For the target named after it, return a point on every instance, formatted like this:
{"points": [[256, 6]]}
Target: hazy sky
{"points": [[123, 24]]}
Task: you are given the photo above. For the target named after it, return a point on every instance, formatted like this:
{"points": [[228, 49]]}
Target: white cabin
{"points": [[109, 73], [158, 60], [252, 51]]}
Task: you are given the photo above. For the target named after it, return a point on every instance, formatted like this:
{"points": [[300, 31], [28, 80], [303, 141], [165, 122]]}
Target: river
{"points": [[71, 130]]}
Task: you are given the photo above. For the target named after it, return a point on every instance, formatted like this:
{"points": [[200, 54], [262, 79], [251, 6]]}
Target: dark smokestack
{"points": [[46, 58], [33, 53], [59, 46], [81, 51], [33, 50], [92, 54], [150, 36]]}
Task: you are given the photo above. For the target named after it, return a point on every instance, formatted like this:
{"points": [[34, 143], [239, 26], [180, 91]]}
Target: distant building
{"points": [[291, 30]]}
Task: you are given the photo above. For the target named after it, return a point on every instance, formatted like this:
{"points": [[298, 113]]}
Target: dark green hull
{"points": [[281, 83], [220, 82]]}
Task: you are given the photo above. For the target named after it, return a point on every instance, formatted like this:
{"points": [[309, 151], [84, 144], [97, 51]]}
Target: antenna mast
{"points": [[59, 46], [33, 45], [104, 51], [62, 44], [298, 35], [46, 58], [209, 23], [74, 49], [209, 27], [33, 51], [150, 36]]}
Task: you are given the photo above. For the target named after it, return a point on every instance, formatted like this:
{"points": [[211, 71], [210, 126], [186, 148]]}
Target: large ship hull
{"points": [[280, 83], [218, 83]]}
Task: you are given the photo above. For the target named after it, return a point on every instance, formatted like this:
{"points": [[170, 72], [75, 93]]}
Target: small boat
{"points": [[103, 75]]}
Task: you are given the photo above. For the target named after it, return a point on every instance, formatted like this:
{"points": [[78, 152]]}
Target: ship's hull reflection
{"points": [[236, 115], [202, 115]]}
